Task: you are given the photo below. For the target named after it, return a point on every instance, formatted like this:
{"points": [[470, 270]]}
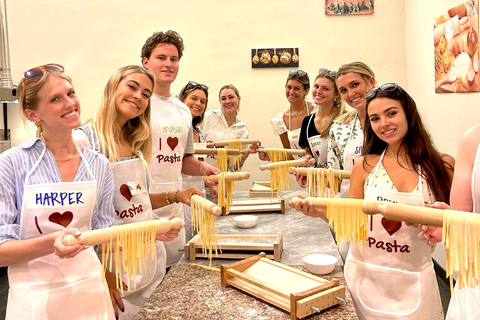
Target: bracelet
{"points": [[175, 196], [166, 198]]}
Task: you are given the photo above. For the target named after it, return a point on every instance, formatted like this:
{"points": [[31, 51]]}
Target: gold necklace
{"points": [[71, 157]]}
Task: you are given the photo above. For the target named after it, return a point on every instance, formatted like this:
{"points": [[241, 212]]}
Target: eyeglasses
{"points": [[300, 73], [194, 85], [387, 87], [325, 71], [35, 74]]}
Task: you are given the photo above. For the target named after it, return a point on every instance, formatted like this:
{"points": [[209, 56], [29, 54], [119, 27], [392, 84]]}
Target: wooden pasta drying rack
{"points": [[242, 249], [292, 290]]}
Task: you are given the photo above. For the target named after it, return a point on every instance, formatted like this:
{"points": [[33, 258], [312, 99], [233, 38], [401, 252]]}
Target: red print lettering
{"points": [[388, 246], [159, 143], [170, 159], [129, 213]]}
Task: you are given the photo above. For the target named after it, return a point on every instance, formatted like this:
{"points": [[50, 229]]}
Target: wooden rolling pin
{"points": [[230, 176], [391, 211], [99, 236], [233, 152], [293, 163], [338, 173], [208, 205], [296, 152], [222, 143]]}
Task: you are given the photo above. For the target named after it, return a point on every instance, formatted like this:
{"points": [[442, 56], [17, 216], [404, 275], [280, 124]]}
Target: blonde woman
{"points": [[121, 130]]}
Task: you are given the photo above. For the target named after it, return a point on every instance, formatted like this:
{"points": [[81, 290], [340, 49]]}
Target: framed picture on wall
{"points": [[348, 7], [275, 57], [455, 38]]}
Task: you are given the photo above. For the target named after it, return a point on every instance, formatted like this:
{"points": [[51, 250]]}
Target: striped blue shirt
{"points": [[15, 164]]}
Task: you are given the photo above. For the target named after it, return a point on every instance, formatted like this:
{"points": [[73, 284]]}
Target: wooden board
{"points": [[288, 288], [262, 189], [258, 205], [238, 246]]}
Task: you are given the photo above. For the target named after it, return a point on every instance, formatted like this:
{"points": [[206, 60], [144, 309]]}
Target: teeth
{"points": [[389, 131], [132, 104], [70, 114]]}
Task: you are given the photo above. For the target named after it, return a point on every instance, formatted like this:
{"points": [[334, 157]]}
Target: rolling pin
{"points": [[222, 143], [289, 151], [208, 205], [230, 176], [293, 163], [233, 152], [96, 237], [338, 173]]}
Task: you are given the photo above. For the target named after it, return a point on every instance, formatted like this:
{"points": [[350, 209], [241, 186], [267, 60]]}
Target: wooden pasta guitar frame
{"points": [[290, 289], [244, 248]]}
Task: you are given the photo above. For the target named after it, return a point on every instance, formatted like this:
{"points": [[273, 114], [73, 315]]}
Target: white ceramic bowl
{"points": [[320, 263], [246, 221]]}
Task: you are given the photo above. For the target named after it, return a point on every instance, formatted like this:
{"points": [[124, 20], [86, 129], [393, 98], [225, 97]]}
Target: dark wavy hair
{"points": [[189, 88], [417, 143]]}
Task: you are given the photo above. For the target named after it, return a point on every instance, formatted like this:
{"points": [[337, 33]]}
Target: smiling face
{"points": [[388, 120], [323, 92], [58, 108], [353, 87], [164, 63], [196, 101], [131, 96], [229, 101], [295, 91]]}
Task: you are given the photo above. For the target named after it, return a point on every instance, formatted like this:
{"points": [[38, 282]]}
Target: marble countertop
{"points": [[191, 290]]}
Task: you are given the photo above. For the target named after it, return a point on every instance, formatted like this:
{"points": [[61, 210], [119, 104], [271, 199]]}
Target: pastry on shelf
{"points": [[285, 57]]}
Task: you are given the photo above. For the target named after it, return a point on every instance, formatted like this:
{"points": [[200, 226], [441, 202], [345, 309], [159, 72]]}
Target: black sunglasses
{"points": [[300, 73], [194, 85], [387, 87], [325, 71]]}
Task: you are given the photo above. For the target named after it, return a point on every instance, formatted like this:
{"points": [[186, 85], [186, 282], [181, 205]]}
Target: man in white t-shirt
{"points": [[172, 152]]}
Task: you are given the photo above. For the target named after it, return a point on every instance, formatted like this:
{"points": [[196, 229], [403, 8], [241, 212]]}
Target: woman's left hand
{"points": [[171, 234], [66, 252], [185, 195]]}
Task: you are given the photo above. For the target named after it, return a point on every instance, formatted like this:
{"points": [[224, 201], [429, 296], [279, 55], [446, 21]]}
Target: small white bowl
{"points": [[320, 263], [246, 221]]}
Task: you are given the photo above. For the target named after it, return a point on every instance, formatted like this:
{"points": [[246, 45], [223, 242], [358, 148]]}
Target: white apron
{"points": [[392, 277], [215, 135], [170, 135], [353, 151], [132, 204], [192, 181], [294, 135], [465, 303], [318, 147], [50, 287]]}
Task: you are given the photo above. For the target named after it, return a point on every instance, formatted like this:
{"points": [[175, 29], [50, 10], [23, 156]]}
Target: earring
{"points": [[37, 124]]}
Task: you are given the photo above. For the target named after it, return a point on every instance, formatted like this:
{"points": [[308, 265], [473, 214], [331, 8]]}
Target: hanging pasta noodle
{"points": [[279, 176], [127, 255], [222, 159], [235, 159], [347, 218], [320, 180], [225, 189], [205, 224], [460, 236]]}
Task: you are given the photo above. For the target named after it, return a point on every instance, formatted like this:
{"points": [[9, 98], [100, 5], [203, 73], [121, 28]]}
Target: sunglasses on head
{"points": [[387, 87], [325, 71], [194, 85], [300, 73], [35, 74]]}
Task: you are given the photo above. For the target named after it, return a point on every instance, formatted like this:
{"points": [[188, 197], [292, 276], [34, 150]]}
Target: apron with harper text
{"points": [[50, 287], [170, 133], [464, 304], [392, 277], [132, 204]]}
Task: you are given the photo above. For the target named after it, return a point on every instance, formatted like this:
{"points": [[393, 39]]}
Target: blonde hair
{"points": [[365, 72], [28, 98], [337, 103], [136, 133], [234, 89]]}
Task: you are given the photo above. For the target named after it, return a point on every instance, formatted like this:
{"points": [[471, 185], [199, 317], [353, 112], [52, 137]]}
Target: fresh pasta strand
{"points": [[222, 159], [205, 224], [235, 159], [460, 236], [322, 183], [126, 256], [225, 190], [347, 218]]}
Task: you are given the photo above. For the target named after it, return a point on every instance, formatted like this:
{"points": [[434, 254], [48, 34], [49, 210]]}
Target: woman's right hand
{"points": [[64, 251], [213, 192], [301, 180], [432, 234], [262, 155], [307, 209]]}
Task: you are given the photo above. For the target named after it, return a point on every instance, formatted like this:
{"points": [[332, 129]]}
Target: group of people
{"points": [[134, 161], [391, 156]]}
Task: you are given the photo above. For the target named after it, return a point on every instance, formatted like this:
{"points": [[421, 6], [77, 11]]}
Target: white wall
{"points": [[93, 38]]}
